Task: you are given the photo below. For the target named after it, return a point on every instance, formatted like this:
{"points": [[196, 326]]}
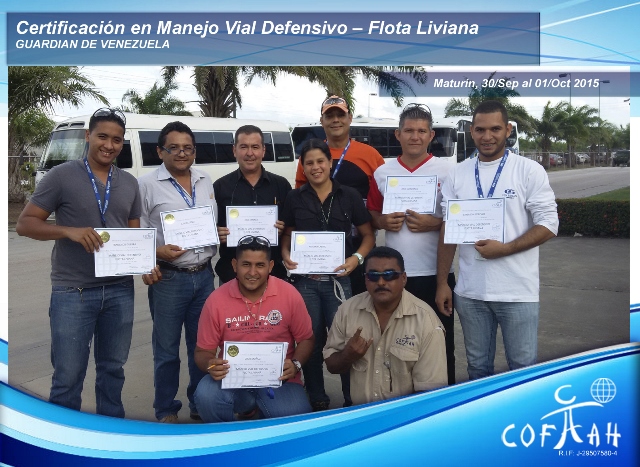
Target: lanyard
{"points": [[335, 172], [495, 178], [192, 203], [107, 191]]}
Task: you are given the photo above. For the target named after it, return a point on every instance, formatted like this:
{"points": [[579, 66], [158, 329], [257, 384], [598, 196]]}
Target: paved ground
{"points": [[584, 305]]}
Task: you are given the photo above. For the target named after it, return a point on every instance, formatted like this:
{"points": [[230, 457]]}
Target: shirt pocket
{"points": [[402, 359]]}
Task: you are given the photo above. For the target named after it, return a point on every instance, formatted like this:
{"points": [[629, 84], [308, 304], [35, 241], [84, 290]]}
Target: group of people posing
{"points": [[383, 319]]}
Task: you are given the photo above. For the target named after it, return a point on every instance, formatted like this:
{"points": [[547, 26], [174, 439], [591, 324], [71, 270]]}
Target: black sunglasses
{"points": [[108, 112], [388, 275], [249, 239]]}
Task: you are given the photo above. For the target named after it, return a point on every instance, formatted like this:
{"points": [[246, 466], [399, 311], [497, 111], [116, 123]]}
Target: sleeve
{"points": [[441, 181], [360, 213], [541, 201], [212, 196], [375, 199], [287, 215], [136, 207], [430, 371], [145, 213], [336, 338], [301, 178], [48, 194], [284, 188], [209, 332], [300, 325], [447, 192]]}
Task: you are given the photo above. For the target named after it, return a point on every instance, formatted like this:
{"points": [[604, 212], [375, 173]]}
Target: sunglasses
{"points": [[415, 105], [250, 239], [107, 112], [388, 275]]}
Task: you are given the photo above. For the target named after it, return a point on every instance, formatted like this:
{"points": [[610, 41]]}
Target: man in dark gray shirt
{"points": [[84, 194]]}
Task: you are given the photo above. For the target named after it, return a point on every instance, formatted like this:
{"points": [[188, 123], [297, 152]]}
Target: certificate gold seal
{"points": [[301, 239], [233, 351], [393, 182], [169, 219], [105, 236], [455, 208], [233, 213]]}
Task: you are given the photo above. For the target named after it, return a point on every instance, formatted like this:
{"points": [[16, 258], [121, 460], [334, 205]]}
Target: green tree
{"points": [[157, 100], [457, 107], [219, 86], [575, 123]]}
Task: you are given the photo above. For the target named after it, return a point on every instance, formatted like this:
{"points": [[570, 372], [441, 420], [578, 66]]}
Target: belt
{"points": [[318, 277], [197, 268]]}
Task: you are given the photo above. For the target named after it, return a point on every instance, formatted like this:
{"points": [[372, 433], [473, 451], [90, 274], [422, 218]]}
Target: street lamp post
{"points": [[564, 75], [369, 104], [601, 81]]}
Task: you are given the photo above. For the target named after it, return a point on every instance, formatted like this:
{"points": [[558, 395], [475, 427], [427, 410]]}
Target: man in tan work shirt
{"points": [[391, 342]]}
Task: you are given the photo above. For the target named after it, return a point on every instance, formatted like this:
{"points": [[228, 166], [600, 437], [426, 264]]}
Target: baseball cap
{"points": [[334, 101]]}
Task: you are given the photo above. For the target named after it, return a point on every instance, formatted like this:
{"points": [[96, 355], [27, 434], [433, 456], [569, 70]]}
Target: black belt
{"points": [[171, 267]]}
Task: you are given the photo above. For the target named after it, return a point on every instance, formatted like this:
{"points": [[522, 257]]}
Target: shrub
{"points": [[594, 217]]}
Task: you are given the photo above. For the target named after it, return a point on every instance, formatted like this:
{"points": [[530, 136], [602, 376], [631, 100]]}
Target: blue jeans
{"points": [[174, 302], [322, 305], [519, 325], [78, 316], [219, 405]]}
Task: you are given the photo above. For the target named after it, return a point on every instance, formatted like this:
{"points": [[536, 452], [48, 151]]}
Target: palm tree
{"points": [[219, 87], [547, 129], [575, 123], [462, 107], [157, 100]]}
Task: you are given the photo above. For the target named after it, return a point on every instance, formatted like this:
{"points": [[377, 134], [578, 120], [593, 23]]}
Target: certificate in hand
{"points": [[125, 252], [317, 252], [258, 221], [254, 364], [470, 220], [415, 192], [190, 228]]}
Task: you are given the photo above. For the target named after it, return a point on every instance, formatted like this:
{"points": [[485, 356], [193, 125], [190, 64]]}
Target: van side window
{"points": [[148, 145], [125, 159], [282, 145], [394, 145], [205, 147], [268, 142], [378, 139], [224, 146]]}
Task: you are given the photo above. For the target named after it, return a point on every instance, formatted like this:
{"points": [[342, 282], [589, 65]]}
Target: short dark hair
{"points": [[109, 117], [253, 246], [415, 112], [174, 126], [385, 252], [489, 107], [248, 130], [314, 143]]}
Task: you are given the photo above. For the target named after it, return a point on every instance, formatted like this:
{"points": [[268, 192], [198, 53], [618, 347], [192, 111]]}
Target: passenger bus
{"points": [[466, 146], [214, 144], [380, 133]]}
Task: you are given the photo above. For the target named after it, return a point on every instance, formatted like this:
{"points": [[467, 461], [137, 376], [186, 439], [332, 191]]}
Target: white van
{"points": [[214, 144]]}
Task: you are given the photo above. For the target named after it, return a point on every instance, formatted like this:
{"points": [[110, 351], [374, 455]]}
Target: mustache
{"points": [[381, 289]]}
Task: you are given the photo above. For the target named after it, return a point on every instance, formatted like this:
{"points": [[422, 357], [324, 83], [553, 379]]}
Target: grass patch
{"points": [[622, 194]]}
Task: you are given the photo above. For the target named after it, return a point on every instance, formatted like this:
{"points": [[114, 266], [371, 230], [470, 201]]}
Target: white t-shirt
{"points": [[419, 249], [529, 201]]}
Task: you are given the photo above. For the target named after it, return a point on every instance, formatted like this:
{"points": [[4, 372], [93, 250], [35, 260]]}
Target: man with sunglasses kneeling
{"points": [[256, 307], [391, 342]]}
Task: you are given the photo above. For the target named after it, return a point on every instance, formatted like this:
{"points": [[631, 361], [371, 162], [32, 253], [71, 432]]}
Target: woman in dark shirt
{"points": [[322, 204]]}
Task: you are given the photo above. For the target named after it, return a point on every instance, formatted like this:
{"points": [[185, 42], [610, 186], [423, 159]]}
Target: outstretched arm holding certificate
{"points": [[125, 252], [471, 220], [190, 228], [415, 192], [254, 364], [317, 252]]}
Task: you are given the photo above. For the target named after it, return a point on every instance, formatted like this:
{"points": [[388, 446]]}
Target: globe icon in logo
{"points": [[603, 390]]}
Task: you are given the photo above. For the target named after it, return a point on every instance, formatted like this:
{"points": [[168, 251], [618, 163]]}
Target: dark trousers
{"points": [[424, 287]]}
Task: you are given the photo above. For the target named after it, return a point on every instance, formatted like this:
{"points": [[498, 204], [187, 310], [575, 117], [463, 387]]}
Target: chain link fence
{"points": [[561, 160]]}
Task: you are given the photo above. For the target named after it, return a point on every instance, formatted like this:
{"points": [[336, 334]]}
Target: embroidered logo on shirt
{"points": [[274, 317], [406, 341], [510, 193]]}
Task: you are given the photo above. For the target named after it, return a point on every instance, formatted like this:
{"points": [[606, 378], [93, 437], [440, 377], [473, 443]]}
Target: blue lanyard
{"points": [[495, 178], [335, 172], [107, 191], [179, 189]]}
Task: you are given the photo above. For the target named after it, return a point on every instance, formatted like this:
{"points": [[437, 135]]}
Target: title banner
{"points": [[273, 38]]}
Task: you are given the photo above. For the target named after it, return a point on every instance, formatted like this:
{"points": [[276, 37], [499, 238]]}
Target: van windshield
{"points": [[63, 146]]}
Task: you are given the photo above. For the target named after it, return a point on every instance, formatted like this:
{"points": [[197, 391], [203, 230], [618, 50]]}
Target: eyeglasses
{"points": [[176, 151], [415, 105], [108, 112], [249, 239], [388, 275]]}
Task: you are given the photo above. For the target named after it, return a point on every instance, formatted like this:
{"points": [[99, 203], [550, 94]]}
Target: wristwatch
{"points": [[360, 258], [297, 364]]}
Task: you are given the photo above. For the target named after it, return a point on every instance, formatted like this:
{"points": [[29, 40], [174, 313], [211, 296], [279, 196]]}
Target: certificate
{"points": [[317, 252], [258, 221], [125, 252], [254, 364], [190, 228], [470, 220], [415, 192]]}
